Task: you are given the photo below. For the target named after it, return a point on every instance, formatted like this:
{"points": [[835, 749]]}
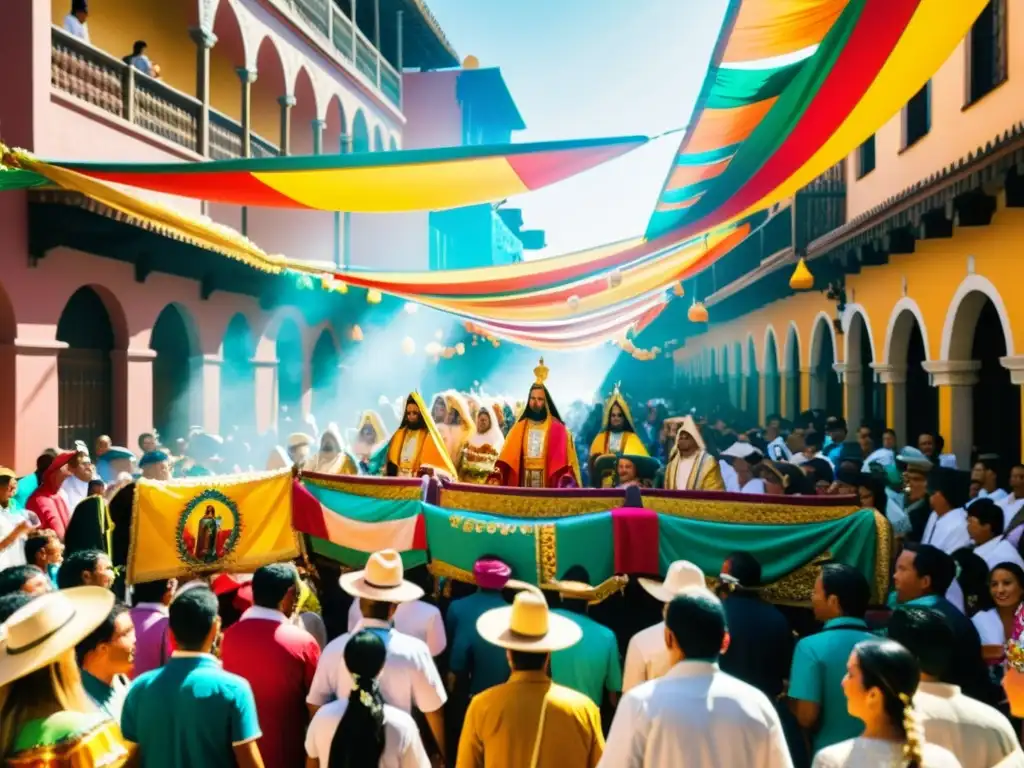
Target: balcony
{"points": [[350, 44], [106, 82], [820, 207]]}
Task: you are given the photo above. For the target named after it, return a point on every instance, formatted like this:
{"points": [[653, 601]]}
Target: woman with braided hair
{"points": [[362, 731], [881, 679]]}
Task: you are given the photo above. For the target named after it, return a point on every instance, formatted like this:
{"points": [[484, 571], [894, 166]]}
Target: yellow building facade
{"points": [[916, 303]]}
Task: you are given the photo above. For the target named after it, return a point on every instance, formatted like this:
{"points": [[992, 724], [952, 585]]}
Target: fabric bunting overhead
{"points": [[371, 182]]}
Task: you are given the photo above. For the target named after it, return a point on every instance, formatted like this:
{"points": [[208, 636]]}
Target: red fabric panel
{"points": [[636, 540], [307, 514], [232, 188], [538, 169], [419, 538]]}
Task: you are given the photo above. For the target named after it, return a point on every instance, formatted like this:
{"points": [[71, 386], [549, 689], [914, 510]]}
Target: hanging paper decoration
{"points": [[801, 279], [697, 313], [357, 333]]}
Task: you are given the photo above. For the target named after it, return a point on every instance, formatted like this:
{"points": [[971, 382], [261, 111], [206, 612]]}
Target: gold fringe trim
{"points": [[384, 490], [602, 591]]}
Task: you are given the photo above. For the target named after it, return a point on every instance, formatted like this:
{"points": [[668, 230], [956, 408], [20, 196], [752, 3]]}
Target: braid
{"points": [[359, 739], [914, 745]]}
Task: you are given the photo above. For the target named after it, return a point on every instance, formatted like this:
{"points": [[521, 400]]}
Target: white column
{"points": [[956, 410], [894, 377]]}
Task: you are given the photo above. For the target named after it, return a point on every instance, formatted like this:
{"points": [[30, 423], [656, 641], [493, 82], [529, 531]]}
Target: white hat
{"points": [[37, 634], [683, 576], [295, 439], [382, 580], [741, 450], [528, 625]]}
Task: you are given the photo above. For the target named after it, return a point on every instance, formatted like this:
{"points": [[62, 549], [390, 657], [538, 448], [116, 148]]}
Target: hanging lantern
{"points": [[801, 279], [448, 353], [677, 289], [373, 296], [697, 313], [433, 348], [409, 345], [356, 334], [615, 278], [460, 348]]}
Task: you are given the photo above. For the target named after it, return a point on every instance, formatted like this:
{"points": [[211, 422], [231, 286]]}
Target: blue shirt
{"points": [[819, 665], [591, 666], [190, 712], [486, 664]]}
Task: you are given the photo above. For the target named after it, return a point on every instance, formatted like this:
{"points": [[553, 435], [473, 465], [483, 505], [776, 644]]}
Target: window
{"points": [[986, 51], [866, 157], [917, 116]]}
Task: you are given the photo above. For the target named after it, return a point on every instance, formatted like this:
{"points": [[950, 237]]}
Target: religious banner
{"points": [[235, 523]]}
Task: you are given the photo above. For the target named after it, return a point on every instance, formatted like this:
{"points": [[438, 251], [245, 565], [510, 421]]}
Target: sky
{"points": [[588, 69]]}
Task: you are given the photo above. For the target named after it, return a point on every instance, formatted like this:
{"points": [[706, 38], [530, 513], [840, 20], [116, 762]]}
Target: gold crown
{"points": [[541, 372]]}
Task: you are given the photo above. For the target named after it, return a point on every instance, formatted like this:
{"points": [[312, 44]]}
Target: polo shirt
{"points": [[109, 698], [15, 553], [417, 618], [409, 678], [819, 666], [189, 712], [486, 664], [278, 660], [592, 665]]}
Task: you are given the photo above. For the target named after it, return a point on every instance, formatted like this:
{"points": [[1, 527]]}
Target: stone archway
{"points": [[177, 382], [324, 376], [772, 382], [791, 408], [753, 402], [85, 372], [826, 389], [865, 399], [360, 133], [915, 406], [238, 376]]}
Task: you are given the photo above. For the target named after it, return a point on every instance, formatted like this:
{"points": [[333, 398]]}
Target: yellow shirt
{"points": [[501, 726]]}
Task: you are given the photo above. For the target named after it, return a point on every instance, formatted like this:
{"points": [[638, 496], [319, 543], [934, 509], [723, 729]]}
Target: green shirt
{"points": [[819, 665], [56, 728], [109, 698], [592, 666], [190, 712], [486, 664]]}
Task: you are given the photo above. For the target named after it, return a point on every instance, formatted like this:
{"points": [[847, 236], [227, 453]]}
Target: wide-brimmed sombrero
{"points": [[383, 580], [528, 625]]}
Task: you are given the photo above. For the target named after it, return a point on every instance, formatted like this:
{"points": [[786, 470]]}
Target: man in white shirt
{"points": [[947, 524], [696, 714], [1012, 504], [977, 734], [76, 485], [417, 618], [410, 677], [985, 527], [985, 472], [14, 526], [76, 22], [647, 655], [740, 457]]}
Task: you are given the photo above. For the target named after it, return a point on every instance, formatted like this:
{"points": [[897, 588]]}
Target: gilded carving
{"points": [[517, 505], [746, 512], [384, 490]]}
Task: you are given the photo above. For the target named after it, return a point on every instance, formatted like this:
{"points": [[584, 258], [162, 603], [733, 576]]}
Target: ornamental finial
{"points": [[541, 372]]}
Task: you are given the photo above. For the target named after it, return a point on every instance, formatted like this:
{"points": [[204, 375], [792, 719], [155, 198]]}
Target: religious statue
{"points": [[207, 535], [332, 458], [367, 438], [539, 450], [691, 467], [476, 461], [460, 423], [417, 447], [617, 436]]}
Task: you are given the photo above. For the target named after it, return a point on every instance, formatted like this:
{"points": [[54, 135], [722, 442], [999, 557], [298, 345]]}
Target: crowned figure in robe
{"points": [[417, 447], [617, 436], [690, 467]]}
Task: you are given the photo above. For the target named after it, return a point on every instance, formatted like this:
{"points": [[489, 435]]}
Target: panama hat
{"points": [[683, 576], [38, 633], [528, 625], [383, 580]]}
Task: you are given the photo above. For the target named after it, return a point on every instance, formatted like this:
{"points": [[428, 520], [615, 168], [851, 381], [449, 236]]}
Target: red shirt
{"points": [[279, 661], [52, 510]]}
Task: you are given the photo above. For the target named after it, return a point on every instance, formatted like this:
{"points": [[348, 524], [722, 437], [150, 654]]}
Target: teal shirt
{"points": [[109, 698], [927, 601], [819, 665], [486, 664], [592, 666], [26, 487], [189, 712]]}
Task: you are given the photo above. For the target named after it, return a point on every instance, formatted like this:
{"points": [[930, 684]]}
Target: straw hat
{"points": [[528, 625], [382, 580], [38, 633], [683, 576]]}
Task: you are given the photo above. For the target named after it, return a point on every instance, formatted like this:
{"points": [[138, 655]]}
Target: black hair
{"points": [[813, 439], [14, 578], [835, 422], [144, 435], [925, 633], [875, 484], [1016, 570], [104, 633], [5, 480], [528, 661], [849, 586], [359, 738], [96, 483], [271, 583], [697, 621], [11, 603], [138, 47], [823, 471], [972, 574], [893, 670], [192, 614], [744, 567], [375, 609], [889, 431], [987, 513], [43, 462], [149, 591], [575, 573], [35, 543], [77, 563], [933, 562]]}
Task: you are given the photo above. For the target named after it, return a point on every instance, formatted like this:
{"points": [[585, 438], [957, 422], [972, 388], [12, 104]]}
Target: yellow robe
{"points": [[705, 474]]}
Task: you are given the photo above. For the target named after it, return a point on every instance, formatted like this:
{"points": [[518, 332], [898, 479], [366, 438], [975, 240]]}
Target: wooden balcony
{"points": [[820, 207]]}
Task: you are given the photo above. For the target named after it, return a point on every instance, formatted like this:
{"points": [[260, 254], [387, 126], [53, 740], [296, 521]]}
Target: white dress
{"points": [[403, 747], [877, 753]]}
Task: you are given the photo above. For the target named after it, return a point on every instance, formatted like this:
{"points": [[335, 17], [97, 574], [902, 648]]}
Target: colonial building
{"points": [[913, 242], [106, 327]]}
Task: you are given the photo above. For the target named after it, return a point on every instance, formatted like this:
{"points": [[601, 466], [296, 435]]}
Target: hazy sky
{"points": [[591, 68]]}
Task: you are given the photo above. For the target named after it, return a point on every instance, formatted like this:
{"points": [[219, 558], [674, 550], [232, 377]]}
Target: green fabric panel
{"points": [[353, 558], [685, 193], [587, 540], [739, 87], [16, 178], [459, 538], [364, 509], [780, 549], [705, 158]]}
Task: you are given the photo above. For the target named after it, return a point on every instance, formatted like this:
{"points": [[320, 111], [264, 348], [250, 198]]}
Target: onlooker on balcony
{"points": [[138, 59], [75, 22]]}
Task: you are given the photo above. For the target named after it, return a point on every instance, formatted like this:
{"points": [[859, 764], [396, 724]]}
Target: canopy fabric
{"points": [[371, 182]]}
